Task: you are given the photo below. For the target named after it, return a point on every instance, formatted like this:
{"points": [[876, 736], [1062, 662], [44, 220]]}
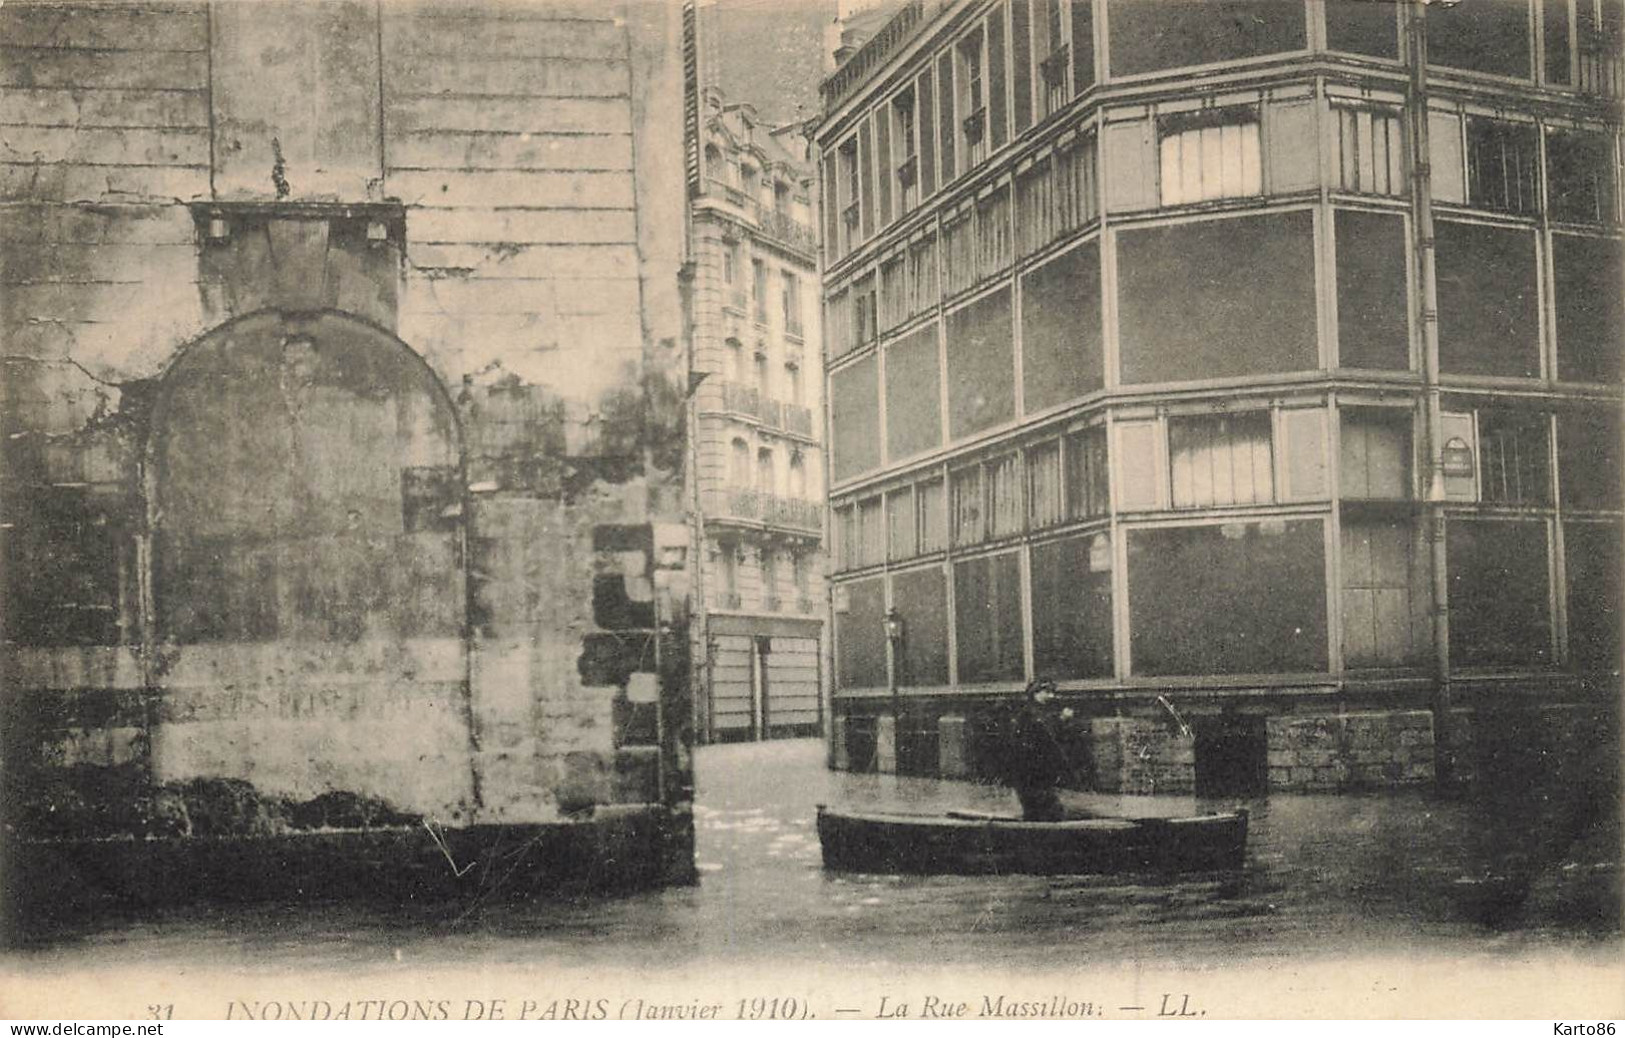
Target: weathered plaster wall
{"points": [[343, 442]]}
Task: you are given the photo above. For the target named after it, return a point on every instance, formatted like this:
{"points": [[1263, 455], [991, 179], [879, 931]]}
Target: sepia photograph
{"points": [[690, 510]]}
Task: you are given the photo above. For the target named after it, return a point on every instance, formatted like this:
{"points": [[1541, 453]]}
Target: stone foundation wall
{"points": [[1336, 752], [1136, 755]]}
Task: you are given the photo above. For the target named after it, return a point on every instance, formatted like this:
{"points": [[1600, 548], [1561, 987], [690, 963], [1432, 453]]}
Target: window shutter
{"points": [[925, 125], [997, 104], [1131, 181], [1021, 63], [1293, 152], [1083, 45]]}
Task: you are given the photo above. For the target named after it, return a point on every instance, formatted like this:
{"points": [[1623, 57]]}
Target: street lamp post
{"points": [[894, 640]]}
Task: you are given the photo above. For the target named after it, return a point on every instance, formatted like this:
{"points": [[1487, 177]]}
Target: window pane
{"points": [[854, 400], [1513, 458], [1488, 323], [1587, 276], [1229, 318], [1588, 458], [1236, 598], [860, 637], [1556, 16], [1594, 565], [1580, 169], [1498, 593], [1146, 35], [1481, 35], [913, 394], [1502, 168], [1062, 356], [981, 365], [987, 619], [1072, 608], [1367, 27], [1373, 328], [921, 599]]}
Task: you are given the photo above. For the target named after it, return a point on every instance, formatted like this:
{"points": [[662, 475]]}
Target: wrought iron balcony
{"points": [[741, 399], [794, 512], [728, 600], [798, 420], [745, 504]]}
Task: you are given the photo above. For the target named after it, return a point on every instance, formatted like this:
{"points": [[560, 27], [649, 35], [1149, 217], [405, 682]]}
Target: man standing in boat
{"points": [[1030, 758]]}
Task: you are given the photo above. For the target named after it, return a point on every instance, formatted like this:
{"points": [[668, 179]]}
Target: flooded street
{"points": [[1327, 876]]}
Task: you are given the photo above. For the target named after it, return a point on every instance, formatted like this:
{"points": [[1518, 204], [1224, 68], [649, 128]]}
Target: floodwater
{"points": [[1377, 873]]}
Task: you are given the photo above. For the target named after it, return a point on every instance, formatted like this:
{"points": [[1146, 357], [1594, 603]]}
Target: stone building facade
{"points": [[1235, 367], [343, 483], [758, 457]]}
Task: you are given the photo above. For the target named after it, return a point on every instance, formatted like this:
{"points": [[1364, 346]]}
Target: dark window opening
{"points": [[1514, 464], [1062, 354], [1232, 598], [1555, 14], [1148, 35], [860, 637], [1498, 603], [1072, 608], [913, 394], [1588, 459], [1373, 327], [1580, 175], [1488, 322], [1369, 27], [1246, 303], [1594, 564], [987, 619], [981, 365], [1503, 166], [854, 401], [921, 600], [1480, 36]]}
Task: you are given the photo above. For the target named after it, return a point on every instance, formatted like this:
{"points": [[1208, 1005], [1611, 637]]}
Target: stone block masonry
{"points": [[342, 391], [1334, 752]]}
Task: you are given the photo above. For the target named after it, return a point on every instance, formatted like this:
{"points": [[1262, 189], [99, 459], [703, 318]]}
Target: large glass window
{"points": [[1221, 460], [921, 598], [1514, 465], [987, 619], [1232, 598], [1209, 154], [981, 365], [1594, 565], [1499, 612], [1488, 321], [854, 401], [1586, 275], [1481, 36], [860, 637], [1072, 607], [1088, 488], [1369, 27], [1373, 328], [1148, 35], [1246, 303], [1588, 458], [913, 394], [1061, 352], [1580, 175], [1503, 166]]}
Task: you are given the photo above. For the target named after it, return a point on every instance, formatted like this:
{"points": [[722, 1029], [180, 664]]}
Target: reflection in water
{"points": [[1326, 875]]}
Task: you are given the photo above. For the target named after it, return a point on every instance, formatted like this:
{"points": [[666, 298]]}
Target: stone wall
{"points": [[1137, 755], [342, 379], [1349, 751]]}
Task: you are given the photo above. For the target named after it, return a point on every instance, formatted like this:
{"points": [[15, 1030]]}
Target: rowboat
{"points": [[970, 844]]}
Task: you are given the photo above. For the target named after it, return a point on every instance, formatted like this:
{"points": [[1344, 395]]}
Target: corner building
{"points": [[1130, 307]]}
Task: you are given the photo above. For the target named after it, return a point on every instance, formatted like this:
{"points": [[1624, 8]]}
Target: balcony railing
{"points": [[872, 54], [745, 504], [798, 420], [794, 512], [773, 413], [771, 603], [804, 604], [741, 399], [770, 221], [728, 600]]}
